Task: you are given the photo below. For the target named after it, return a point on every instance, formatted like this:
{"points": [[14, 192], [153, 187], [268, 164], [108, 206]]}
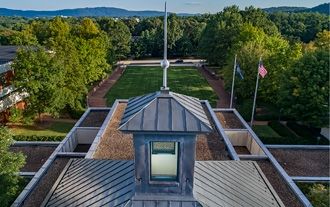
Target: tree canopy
{"points": [[10, 164]]}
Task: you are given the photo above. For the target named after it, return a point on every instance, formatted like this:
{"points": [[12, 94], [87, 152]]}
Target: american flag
{"points": [[262, 71]]}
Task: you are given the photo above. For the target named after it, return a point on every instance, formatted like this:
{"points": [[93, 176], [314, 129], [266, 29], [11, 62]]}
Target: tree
{"points": [[120, 38], [277, 55], [300, 26], [58, 77], [219, 35], [36, 74], [10, 164], [305, 91]]}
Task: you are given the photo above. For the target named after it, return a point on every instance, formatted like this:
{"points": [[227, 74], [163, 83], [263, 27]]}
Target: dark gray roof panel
{"points": [[233, 183], [162, 203], [162, 112], [88, 182], [7, 53], [95, 183], [136, 104]]}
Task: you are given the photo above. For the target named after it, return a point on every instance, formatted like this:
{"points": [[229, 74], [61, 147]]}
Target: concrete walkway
{"points": [[96, 97]]}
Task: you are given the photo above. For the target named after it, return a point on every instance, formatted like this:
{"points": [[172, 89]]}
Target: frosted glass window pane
{"points": [[164, 160]]}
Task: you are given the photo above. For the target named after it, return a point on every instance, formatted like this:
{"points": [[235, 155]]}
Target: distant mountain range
{"points": [[322, 8], [116, 12], [82, 12]]}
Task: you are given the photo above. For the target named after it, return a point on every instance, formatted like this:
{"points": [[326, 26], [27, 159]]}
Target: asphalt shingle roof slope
{"points": [[87, 182], [7, 53], [165, 112]]}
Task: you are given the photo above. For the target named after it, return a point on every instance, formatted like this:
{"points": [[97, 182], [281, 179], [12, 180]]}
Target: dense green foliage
{"points": [[142, 80], [57, 70], [78, 51], [10, 164], [300, 26], [305, 91], [317, 193], [277, 133], [297, 82]]}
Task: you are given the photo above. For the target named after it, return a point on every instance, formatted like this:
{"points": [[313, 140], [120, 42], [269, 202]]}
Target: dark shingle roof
{"points": [[165, 112], [7, 53]]}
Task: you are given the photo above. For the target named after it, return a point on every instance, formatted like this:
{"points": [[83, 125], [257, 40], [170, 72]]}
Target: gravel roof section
{"points": [[95, 118], [36, 156], [229, 120], [282, 189], [115, 145], [210, 146], [303, 162], [242, 150], [45, 184]]}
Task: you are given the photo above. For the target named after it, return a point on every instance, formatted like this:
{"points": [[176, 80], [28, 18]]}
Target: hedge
{"points": [[282, 130], [38, 138], [303, 131], [293, 141]]}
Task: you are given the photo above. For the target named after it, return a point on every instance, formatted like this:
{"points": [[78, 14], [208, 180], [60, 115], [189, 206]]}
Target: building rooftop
{"points": [[165, 112], [87, 182], [7, 53]]}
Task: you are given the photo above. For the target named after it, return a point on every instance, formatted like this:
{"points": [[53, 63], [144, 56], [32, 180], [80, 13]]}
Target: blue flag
{"points": [[239, 71]]}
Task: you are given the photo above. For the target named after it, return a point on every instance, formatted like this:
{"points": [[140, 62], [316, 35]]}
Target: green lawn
{"points": [[142, 80], [265, 131], [51, 129]]}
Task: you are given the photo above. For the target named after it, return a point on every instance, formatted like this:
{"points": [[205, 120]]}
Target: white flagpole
{"points": [[232, 85], [255, 94]]}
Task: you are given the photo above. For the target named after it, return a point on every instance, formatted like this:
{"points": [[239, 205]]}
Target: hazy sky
{"points": [[189, 6]]}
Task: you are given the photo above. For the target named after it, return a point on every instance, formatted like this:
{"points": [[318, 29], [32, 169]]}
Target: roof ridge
{"points": [[193, 114]]}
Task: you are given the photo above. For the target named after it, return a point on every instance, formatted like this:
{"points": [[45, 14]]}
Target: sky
{"points": [[177, 6]]}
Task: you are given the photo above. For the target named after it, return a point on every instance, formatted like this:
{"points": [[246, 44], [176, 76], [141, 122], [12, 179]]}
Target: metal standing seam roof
{"points": [[233, 184], [88, 182], [165, 112]]}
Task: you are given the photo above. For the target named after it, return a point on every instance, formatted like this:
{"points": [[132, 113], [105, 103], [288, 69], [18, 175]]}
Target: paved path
{"points": [[219, 88], [96, 97]]}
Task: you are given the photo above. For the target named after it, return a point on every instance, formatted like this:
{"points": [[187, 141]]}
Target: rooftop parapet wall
{"points": [[64, 149]]}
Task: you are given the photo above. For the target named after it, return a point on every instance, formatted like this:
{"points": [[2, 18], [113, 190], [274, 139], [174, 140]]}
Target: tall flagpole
{"points": [[232, 84], [255, 95]]}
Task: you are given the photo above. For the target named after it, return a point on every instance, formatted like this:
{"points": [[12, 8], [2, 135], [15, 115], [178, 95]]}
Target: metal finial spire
{"points": [[165, 63]]}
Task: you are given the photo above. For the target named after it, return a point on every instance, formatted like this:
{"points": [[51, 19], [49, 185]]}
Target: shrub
{"points": [[38, 138], [303, 131], [16, 115], [245, 109], [317, 193], [281, 129], [10, 164]]}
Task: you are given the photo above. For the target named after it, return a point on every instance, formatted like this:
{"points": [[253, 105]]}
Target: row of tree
{"points": [[62, 60], [67, 55], [298, 73], [143, 37]]}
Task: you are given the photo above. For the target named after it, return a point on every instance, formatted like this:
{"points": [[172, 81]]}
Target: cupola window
{"points": [[164, 161]]}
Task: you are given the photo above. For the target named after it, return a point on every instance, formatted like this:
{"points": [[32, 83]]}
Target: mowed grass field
{"points": [[137, 81]]}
